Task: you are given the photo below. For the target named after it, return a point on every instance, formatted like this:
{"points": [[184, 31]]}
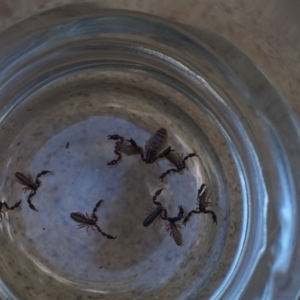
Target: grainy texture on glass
{"points": [[267, 31]]}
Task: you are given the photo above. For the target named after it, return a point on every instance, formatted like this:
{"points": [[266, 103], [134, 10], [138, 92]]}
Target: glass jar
{"points": [[81, 83]]}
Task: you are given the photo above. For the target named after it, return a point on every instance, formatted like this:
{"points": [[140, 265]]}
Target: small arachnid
{"points": [[30, 185], [121, 146], [175, 232], [152, 216], [175, 159], [4, 207], [203, 203], [90, 221], [154, 148]]}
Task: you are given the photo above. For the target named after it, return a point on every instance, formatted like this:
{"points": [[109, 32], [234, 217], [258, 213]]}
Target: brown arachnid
{"points": [[156, 212], [154, 146], [121, 146], [203, 203], [89, 221], [4, 206], [175, 159], [30, 185], [175, 232]]}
